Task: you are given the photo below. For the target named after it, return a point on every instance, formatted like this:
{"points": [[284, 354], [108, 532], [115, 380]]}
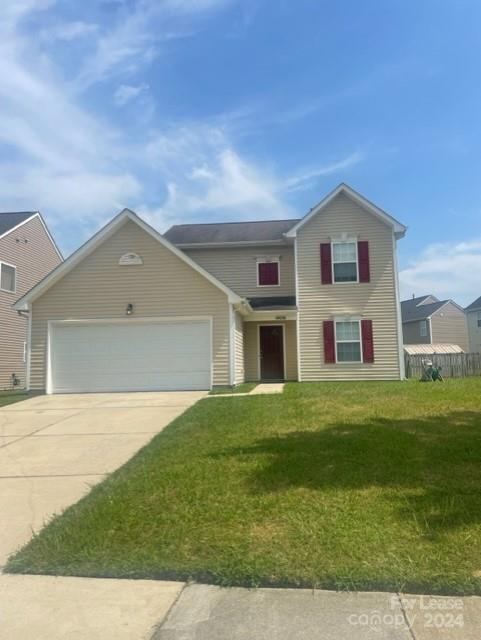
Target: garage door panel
{"points": [[130, 356]]}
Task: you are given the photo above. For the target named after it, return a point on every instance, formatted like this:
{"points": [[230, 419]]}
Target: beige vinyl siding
{"points": [[162, 286], [237, 268], [412, 333], [474, 331], [448, 326], [375, 300], [31, 251], [239, 373], [251, 348]]}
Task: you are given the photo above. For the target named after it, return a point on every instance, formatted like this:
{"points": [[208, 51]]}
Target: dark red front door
{"points": [[271, 342]]}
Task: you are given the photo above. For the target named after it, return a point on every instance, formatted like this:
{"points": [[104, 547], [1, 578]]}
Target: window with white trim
{"points": [[344, 262], [479, 318], [348, 340], [423, 328], [268, 272], [8, 277]]}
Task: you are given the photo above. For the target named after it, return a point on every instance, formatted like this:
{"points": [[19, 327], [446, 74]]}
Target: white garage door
{"points": [[129, 356]]}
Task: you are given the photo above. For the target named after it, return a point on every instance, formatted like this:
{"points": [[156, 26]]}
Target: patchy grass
{"points": [[245, 387], [334, 485], [9, 397]]}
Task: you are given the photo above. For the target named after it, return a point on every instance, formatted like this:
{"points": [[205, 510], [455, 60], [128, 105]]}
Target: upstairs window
{"points": [[268, 273], [8, 277], [479, 318], [423, 328], [344, 261]]}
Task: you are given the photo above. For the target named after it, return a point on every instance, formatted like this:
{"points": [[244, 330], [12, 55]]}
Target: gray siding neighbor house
{"points": [[314, 298], [473, 315], [27, 254], [427, 320]]}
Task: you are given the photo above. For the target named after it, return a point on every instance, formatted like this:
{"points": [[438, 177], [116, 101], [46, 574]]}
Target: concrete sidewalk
{"points": [[212, 613]]}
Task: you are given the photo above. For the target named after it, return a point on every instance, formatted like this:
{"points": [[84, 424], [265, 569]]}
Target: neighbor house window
{"points": [[479, 318], [423, 328], [7, 277], [348, 341], [344, 261], [268, 273]]}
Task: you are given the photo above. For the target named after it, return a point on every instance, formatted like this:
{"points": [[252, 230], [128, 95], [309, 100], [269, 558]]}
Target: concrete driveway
{"points": [[53, 449]]}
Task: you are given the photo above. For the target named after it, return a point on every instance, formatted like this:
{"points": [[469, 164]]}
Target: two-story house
{"points": [[314, 298], [27, 254], [473, 316], [427, 320]]}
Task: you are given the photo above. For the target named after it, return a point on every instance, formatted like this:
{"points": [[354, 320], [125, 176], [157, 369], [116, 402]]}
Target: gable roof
{"points": [[398, 228], [411, 312], [96, 240], [9, 220], [212, 233], [416, 309], [474, 306]]}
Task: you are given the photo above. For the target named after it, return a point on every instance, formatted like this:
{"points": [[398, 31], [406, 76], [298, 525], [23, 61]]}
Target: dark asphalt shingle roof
{"points": [[474, 305], [215, 232], [413, 309], [10, 219], [273, 302]]}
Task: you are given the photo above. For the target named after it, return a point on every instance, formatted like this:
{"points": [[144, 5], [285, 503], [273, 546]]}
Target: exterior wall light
{"points": [[129, 310]]}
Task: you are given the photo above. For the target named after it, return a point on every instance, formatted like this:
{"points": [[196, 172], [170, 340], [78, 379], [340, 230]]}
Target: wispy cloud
{"points": [[204, 173], [61, 158], [69, 31], [127, 92], [137, 36], [306, 178], [80, 168], [448, 270]]}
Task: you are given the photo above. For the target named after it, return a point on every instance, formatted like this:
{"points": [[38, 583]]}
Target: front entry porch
{"points": [[270, 350]]}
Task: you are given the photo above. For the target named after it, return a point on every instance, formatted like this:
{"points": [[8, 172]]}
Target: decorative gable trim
{"points": [[398, 228], [99, 238]]}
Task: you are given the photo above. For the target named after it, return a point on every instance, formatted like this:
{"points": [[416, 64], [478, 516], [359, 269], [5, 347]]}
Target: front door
{"points": [[271, 343]]}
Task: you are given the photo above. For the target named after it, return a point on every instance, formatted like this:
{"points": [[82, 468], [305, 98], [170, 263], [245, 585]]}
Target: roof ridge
{"points": [[205, 224], [14, 213]]}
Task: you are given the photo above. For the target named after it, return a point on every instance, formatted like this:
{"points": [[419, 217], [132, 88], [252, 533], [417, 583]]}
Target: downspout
{"points": [[27, 314]]}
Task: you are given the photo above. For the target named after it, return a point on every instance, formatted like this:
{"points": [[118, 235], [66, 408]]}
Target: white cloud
{"points": [[305, 179], [136, 36], [78, 168], [205, 174], [61, 159], [70, 31], [126, 92], [447, 270]]}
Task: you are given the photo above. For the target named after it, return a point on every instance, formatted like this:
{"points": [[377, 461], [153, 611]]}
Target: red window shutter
{"points": [[367, 341], [363, 259], [326, 263], [268, 273], [329, 342]]}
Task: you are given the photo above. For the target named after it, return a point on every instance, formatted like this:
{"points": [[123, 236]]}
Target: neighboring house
{"points": [[473, 315], [217, 304], [427, 320], [27, 254]]}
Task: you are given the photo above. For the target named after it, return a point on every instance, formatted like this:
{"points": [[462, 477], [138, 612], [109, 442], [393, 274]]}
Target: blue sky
{"points": [[205, 110]]}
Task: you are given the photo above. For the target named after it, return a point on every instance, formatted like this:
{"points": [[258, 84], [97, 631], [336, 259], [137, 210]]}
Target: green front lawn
{"points": [[9, 397], [335, 485]]}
